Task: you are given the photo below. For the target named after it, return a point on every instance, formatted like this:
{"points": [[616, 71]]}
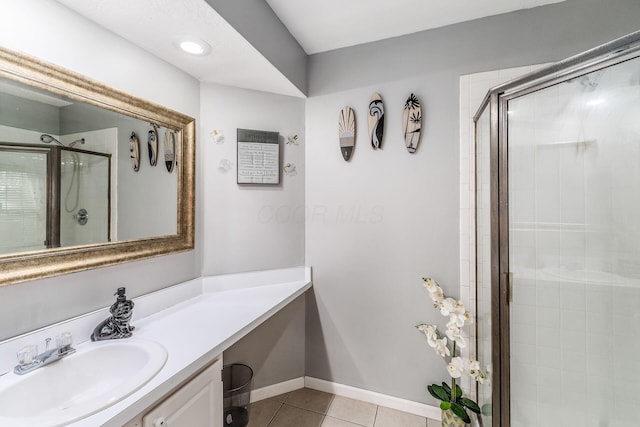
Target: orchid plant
{"points": [[451, 396]]}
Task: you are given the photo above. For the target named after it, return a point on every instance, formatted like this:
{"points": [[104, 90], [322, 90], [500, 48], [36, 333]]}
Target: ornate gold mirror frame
{"points": [[16, 268]]}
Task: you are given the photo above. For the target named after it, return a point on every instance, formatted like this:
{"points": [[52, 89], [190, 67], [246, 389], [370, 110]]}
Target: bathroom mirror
{"points": [[71, 196]]}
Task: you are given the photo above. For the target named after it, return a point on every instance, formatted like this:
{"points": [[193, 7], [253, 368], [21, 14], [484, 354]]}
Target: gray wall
{"points": [[250, 227], [275, 349], [530, 36], [387, 218], [80, 45], [257, 23]]}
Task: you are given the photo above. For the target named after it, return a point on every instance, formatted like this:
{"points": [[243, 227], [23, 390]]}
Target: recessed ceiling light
{"points": [[192, 45]]}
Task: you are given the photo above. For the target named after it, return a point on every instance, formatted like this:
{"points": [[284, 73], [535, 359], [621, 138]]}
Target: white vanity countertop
{"points": [[198, 330]]}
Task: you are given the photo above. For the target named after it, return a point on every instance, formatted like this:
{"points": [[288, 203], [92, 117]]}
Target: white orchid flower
{"points": [[435, 291], [458, 319], [468, 318], [437, 296], [459, 308], [441, 347], [452, 330], [426, 329], [461, 319], [448, 306], [430, 284], [455, 334], [431, 333], [478, 376], [471, 364], [461, 340], [455, 367]]}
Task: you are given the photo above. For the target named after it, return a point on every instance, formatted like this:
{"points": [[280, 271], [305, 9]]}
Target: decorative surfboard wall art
{"points": [[376, 121], [169, 149], [134, 151], [152, 142], [176, 149], [412, 123], [347, 132]]}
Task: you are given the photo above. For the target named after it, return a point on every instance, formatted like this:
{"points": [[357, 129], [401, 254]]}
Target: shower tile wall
{"points": [[574, 154]]}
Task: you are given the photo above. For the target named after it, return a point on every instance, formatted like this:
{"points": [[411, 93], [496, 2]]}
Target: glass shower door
{"points": [[574, 250], [23, 200], [84, 198]]}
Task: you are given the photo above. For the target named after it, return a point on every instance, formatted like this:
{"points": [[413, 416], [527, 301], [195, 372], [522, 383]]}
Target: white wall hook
{"points": [[290, 169], [225, 165]]}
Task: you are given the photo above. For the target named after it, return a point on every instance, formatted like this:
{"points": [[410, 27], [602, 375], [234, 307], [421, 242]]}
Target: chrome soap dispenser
{"points": [[116, 326]]}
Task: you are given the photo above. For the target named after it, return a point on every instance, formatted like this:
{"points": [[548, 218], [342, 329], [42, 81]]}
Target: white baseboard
{"points": [[404, 405], [277, 389]]}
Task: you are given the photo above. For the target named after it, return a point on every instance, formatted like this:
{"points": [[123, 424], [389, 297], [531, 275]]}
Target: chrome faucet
{"points": [[29, 359]]}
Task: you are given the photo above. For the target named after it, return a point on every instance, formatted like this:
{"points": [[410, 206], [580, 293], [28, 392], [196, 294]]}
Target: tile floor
{"points": [[312, 408]]}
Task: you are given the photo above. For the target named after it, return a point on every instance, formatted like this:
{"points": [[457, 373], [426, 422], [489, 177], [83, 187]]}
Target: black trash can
{"points": [[236, 383]]}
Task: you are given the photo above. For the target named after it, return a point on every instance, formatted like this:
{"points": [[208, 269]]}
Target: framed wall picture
{"points": [[258, 157]]}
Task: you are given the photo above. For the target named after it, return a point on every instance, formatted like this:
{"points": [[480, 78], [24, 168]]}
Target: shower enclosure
{"points": [[558, 242], [52, 196]]}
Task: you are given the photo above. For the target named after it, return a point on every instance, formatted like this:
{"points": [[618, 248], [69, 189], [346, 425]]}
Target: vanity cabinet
{"points": [[198, 403]]}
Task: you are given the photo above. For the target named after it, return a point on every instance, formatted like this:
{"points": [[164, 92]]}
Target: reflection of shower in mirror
{"points": [[75, 179], [72, 144], [48, 139], [75, 175]]}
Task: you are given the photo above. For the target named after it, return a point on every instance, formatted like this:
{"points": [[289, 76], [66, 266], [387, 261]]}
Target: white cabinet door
{"points": [[197, 404]]}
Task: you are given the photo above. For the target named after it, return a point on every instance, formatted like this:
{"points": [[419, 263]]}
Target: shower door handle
{"points": [[509, 286]]}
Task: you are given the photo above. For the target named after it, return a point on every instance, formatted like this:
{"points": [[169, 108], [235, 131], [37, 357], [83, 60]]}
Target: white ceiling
{"points": [[330, 24], [154, 24], [317, 25]]}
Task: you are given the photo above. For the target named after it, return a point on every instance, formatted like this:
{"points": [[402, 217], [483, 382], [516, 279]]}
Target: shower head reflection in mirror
{"points": [[48, 139], [75, 177]]}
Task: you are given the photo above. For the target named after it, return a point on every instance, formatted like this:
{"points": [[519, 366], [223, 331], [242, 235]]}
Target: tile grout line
{"points": [[375, 418], [274, 414], [308, 410], [324, 416]]}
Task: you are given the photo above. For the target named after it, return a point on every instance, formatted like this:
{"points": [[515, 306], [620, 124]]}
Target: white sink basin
{"points": [[98, 375]]}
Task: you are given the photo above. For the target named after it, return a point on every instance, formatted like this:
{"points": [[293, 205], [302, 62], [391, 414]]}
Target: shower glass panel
{"points": [[23, 200], [483, 259], [53, 196], [574, 250], [84, 186]]}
